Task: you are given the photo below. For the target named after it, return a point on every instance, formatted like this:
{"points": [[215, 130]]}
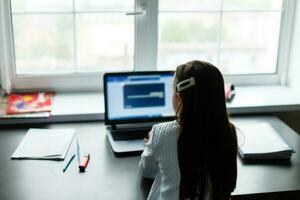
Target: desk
{"points": [[109, 177]]}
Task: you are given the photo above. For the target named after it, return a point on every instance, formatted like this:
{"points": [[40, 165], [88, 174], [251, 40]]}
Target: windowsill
{"points": [[264, 99], [89, 106]]}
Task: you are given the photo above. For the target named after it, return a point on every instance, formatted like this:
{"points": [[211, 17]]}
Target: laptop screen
{"points": [[138, 97]]}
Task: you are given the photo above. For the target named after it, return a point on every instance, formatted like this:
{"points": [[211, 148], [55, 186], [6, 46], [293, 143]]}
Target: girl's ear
{"points": [[178, 98]]}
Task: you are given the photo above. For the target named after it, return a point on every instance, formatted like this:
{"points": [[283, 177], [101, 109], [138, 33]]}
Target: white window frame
{"points": [[146, 33]]}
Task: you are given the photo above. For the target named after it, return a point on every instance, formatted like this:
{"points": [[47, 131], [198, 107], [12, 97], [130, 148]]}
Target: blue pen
{"points": [[78, 152], [66, 167]]}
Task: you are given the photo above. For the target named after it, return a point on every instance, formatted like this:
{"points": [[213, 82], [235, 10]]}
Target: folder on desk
{"points": [[44, 144], [261, 141]]}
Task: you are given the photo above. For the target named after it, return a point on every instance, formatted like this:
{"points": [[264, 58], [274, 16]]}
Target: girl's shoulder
{"points": [[163, 133], [165, 128]]}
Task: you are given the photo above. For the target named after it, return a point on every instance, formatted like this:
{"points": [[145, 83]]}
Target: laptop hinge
{"points": [[134, 126]]}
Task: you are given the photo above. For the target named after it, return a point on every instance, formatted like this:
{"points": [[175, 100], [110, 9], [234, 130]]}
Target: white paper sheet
{"points": [[44, 144]]}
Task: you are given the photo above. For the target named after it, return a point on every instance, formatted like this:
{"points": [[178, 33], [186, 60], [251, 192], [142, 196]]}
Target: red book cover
{"points": [[29, 102]]}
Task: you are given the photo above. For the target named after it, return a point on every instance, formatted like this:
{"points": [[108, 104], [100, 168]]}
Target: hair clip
{"points": [[185, 84]]}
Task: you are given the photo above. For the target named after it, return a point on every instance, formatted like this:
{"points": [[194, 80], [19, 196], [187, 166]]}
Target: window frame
{"points": [[145, 59]]}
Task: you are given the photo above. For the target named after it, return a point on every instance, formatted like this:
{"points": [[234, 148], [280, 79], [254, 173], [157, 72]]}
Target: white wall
{"points": [[294, 63]]}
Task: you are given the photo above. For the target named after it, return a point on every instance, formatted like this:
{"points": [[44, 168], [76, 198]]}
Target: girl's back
{"points": [[205, 143]]}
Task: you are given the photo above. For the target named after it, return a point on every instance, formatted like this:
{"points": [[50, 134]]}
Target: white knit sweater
{"points": [[159, 160]]}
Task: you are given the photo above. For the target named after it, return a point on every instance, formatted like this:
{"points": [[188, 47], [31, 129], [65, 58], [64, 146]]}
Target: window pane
{"points": [[41, 5], [123, 5], [249, 43], [189, 4], [43, 43], [105, 41], [185, 37], [253, 4]]}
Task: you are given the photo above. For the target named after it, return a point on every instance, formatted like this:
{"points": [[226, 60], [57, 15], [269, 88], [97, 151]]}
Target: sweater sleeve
{"points": [[148, 165]]}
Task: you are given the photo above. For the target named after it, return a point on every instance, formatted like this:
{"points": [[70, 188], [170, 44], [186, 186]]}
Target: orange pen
{"points": [[84, 163]]}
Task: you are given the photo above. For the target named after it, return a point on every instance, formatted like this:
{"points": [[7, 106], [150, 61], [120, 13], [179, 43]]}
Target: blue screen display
{"points": [[144, 95], [139, 96]]}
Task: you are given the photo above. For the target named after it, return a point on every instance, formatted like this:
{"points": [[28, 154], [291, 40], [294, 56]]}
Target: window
{"points": [[241, 37], [69, 44], [72, 36]]}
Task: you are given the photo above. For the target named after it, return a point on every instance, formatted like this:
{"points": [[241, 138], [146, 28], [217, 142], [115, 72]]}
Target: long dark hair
{"points": [[207, 144]]}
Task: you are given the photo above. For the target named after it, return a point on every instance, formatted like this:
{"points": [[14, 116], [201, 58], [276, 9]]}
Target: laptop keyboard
{"points": [[130, 134]]}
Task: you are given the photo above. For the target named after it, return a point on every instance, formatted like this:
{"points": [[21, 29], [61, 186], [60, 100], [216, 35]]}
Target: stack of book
{"points": [[26, 105], [261, 141]]}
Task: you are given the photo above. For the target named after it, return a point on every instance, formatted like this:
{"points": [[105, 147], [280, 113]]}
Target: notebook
{"points": [[134, 101], [47, 144], [261, 141]]}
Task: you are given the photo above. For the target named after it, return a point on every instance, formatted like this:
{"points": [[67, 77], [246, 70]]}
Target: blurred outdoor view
{"points": [[51, 36], [242, 39]]}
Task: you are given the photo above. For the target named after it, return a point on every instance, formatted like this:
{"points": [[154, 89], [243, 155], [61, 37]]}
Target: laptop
{"points": [[134, 102]]}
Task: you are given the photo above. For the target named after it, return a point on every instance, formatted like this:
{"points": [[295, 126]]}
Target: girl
{"points": [[193, 157]]}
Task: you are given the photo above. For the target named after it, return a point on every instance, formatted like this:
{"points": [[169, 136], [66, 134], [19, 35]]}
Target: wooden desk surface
{"points": [[109, 177]]}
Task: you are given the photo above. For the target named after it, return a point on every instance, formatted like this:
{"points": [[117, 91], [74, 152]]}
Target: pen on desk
{"points": [[69, 162], [85, 161], [78, 152]]}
